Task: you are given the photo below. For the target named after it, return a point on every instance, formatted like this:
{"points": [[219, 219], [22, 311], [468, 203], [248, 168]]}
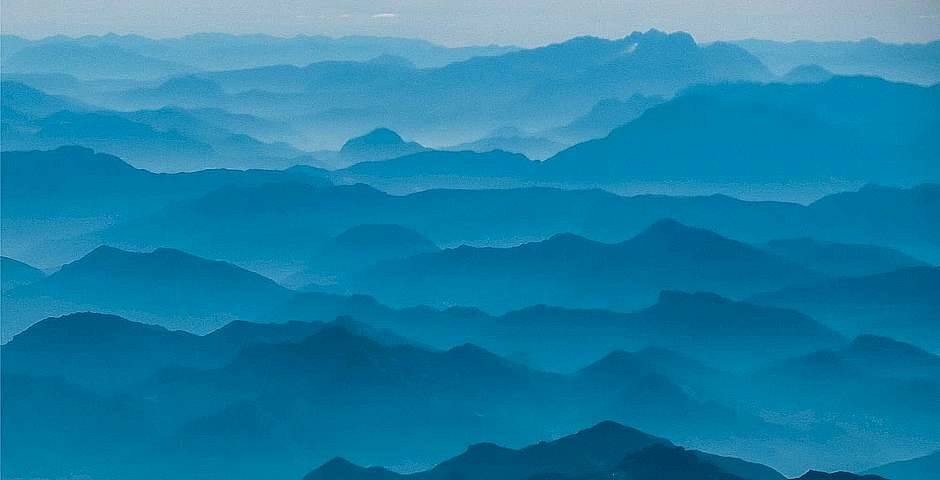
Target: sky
{"points": [[455, 22]]}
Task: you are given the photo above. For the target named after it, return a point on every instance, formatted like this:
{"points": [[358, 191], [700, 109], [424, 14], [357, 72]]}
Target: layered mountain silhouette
{"points": [[511, 139], [568, 270], [553, 246], [915, 468], [807, 74], [534, 89], [595, 452], [605, 116], [815, 475], [736, 335], [908, 62], [109, 353], [329, 371], [379, 144], [16, 273], [864, 380], [37, 120], [451, 169], [19, 98], [165, 286], [358, 248], [218, 51], [901, 303], [727, 129], [92, 62], [841, 260], [49, 197]]}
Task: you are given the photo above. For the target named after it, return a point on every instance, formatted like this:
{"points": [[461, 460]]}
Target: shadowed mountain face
{"points": [[165, 286], [568, 270]]}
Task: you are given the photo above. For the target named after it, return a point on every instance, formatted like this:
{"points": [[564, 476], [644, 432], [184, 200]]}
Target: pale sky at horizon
{"points": [[522, 22]]}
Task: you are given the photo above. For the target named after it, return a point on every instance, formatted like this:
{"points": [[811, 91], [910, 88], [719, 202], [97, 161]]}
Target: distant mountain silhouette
{"points": [[533, 89], [872, 378], [510, 139], [567, 270], [219, 51], [379, 144], [462, 166], [108, 353], [15, 273], [901, 304], [605, 116], [74, 190], [168, 287], [908, 62], [841, 260], [91, 62], [712, 120], [358, 248], [36, 120], [914, 469], [194, 90], [34, 103], [807, 74], [891, 217], [99, 351], [663, 337], [592, 453]]}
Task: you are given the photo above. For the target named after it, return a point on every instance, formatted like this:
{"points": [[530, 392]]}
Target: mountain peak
{"points": [[339, 467], [378, 136], [381, 234]]}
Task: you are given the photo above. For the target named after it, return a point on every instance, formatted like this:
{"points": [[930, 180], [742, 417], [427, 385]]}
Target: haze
{"points": [[524, 23]]}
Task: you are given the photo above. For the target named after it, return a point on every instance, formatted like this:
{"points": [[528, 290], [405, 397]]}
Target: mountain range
{"points": [[908, 62], [243, 256], [218, 51], [901, 303], [165, 286], [590, 453], [568, 270], [187, 411]]}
